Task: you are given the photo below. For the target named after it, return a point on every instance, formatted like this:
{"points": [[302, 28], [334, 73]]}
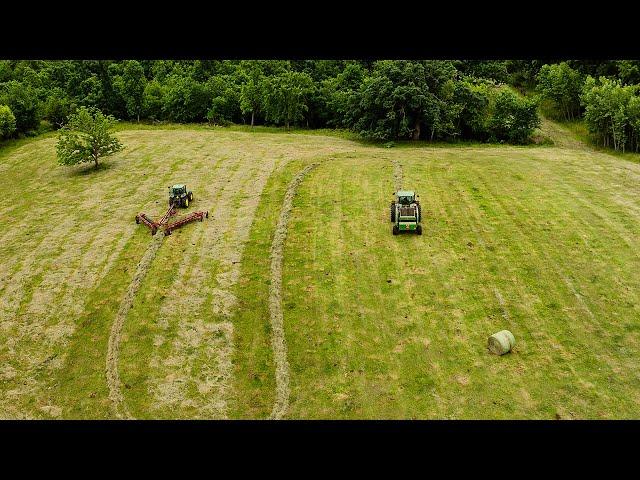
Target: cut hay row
{"points": [[113, 349], [278, 341]]}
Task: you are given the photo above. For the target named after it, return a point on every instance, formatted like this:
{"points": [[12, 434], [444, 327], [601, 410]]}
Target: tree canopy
{"points": [[7, 121], [86, 138], [386, 99]]}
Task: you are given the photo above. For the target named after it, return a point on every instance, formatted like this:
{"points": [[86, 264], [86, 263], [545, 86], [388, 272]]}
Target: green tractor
{"points": [[180, 196], [405, 213]]}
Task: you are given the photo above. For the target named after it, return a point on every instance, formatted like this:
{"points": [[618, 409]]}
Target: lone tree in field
{"points": [[87, 137]]}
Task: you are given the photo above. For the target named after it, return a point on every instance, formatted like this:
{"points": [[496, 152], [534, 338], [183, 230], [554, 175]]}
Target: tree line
{"points": [[386, 100], [606, 96]]}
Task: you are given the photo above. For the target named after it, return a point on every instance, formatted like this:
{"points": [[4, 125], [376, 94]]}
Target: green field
{"points": [[541, 240]]}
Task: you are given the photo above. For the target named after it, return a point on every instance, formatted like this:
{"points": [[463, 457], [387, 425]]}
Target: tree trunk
{"points": [[416, 131], [251, 118], [95, 155]]}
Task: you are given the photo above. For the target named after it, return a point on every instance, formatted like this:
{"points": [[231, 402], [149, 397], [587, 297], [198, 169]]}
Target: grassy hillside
{"points": [[541, 240]]}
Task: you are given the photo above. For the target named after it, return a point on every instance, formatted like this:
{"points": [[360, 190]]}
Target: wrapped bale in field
{"points": [[501, 342]]}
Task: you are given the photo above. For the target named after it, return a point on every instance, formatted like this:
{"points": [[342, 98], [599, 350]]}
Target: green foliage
{"points": [[87, 138], [225, 99], [7, 122], [474, 100], [562, 85], [58, 107], [435, 100], [514, 118], [153, 100], [186, 100], [287, 97], [401, 99], [496, 70], [629, 71], [91, 92], [522, 73], [612, 112], [6, 72], [339, 94], [252, 93], [22, 99], [131, 86]]}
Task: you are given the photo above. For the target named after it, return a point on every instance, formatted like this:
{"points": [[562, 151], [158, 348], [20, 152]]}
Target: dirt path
{"points": [[278, 342], [113, 349]]}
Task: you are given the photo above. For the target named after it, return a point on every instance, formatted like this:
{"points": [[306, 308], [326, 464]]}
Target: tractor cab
{"points": [[406, 197], [179, 189], [405, 212], [180, 196]]}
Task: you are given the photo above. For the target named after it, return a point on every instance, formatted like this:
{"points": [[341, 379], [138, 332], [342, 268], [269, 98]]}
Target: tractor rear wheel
{"points": [[395, 230], [393, 211], [419, 229], [419, 212]]}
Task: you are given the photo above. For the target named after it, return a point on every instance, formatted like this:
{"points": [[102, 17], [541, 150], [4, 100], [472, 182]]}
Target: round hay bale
{"points": [[501, 342]]}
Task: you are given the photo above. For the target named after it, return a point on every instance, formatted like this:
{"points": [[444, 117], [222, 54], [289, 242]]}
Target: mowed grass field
{"points": [[543, 241]]}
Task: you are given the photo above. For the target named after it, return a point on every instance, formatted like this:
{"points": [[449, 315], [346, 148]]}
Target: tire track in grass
{"points": [[113, 349], [503, 304], [398, 174], [278, 341]]}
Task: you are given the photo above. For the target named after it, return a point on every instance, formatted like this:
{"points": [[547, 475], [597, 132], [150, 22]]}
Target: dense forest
{"points": [[490, 101]]}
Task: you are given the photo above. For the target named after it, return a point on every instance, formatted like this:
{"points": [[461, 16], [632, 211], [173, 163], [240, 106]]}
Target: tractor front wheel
{"points": [[395, 230], [419, 229], [393, 211], [186, 202], [191, 196]]}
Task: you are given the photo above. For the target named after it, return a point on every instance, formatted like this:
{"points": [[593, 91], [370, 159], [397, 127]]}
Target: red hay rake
{"points": [[168, 228], [192, 217]]}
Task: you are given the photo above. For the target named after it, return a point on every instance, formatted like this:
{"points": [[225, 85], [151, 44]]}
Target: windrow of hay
{"points": [[113, 349], [278, 341]]}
